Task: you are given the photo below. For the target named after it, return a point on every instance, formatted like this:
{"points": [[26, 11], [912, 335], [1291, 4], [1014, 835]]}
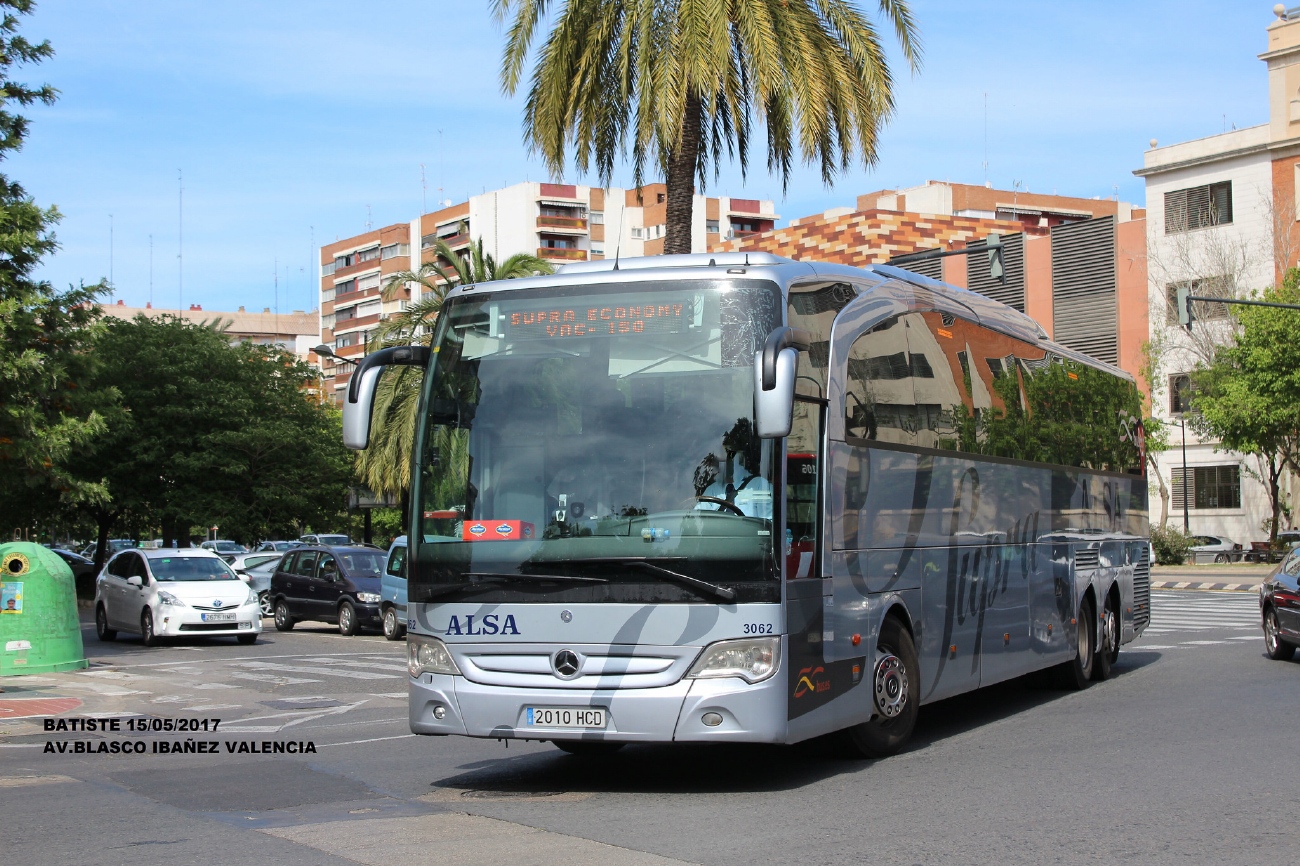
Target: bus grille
{"points": [[1142, 591], [1086, 557]]}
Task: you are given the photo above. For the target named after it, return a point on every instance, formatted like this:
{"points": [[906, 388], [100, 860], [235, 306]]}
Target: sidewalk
{"points": [[1231, 577]]}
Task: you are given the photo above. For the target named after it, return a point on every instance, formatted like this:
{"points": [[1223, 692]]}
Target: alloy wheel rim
{"points": [[1270, 631], [346, 616]]}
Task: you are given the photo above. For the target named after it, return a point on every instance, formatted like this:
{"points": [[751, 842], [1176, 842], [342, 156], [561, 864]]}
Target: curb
{"points": [[1219, 587]]}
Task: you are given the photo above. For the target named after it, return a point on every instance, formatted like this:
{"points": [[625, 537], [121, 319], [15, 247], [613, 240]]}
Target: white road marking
{"points": [[312, 715], [209, 707], [1245, 637], [1202, 642], [172, 699], [398, 695], [1153, 647], [373, 740], [303, 669], [213, 686], [272, 679]]}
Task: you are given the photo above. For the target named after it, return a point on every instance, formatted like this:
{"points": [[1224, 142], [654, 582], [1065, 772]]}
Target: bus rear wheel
{"points": [[1075, 674], [895, 692], [587, 748]]}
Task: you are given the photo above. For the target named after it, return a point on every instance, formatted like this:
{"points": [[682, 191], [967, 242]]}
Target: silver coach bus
{"points": [[741, 498]]}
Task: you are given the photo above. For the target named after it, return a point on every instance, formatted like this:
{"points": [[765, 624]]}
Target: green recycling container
{"points": [[39, 629]]}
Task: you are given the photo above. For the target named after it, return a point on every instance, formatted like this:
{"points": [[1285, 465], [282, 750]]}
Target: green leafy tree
{"points": [[683, 80], [46, 410], [209, 434], [1248, 398], [385, 467]]}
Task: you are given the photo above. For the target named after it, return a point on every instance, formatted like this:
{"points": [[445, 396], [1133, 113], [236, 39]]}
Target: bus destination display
{"points": [[589, 320]]}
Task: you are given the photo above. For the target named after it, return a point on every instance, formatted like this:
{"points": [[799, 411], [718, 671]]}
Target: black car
{"points": [[1279, 603], [328, 584], [83, 570]]}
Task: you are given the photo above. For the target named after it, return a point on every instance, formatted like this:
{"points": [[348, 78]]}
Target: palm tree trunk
{"points": [[681, 180]]}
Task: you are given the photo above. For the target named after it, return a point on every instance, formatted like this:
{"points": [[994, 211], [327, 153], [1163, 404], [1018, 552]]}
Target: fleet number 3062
{"points": [[758, 628]]}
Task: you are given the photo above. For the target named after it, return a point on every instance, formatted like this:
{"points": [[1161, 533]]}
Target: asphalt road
{"points": [[1180, 758]]}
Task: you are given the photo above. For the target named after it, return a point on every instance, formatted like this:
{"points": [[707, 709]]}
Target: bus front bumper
{"points": [[441, 705]]}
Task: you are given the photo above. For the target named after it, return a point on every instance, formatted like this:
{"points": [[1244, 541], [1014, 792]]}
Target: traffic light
{"points": [[993, 243], [1184, 304]]}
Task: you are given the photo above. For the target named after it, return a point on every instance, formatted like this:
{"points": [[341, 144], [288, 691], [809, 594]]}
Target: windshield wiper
{"points": [[486, 579], [644, 564]]}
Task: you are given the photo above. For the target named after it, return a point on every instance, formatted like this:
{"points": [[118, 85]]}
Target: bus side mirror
{"points": [[360, 399], [774, 407]]}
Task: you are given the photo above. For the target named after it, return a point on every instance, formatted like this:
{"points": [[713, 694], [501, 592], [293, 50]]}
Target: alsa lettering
{"points": [[489, 623]]}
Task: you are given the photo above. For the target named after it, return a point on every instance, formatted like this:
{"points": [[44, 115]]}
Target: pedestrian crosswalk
{"points": [[1183, 613]]}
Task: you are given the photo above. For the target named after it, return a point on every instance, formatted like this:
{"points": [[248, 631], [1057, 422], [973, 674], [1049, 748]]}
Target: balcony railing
{"points": [[568, 255], [355, 322], [555, 222]]}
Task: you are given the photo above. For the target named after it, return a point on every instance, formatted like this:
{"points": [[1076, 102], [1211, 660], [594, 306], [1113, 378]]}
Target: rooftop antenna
{"points": [[986, 137], [424, 192], [440, 166], [311, 256], [111, 290], [180, 241], [368, 218], [275, 281], [150, 270]]}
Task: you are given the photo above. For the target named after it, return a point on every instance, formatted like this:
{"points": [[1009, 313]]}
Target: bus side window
{"points": [[879, 400]]}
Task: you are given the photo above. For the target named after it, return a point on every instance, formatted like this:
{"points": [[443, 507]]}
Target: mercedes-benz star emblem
{"points": [[566, 664]]}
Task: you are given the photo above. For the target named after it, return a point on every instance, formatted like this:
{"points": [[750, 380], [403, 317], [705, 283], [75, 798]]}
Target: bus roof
{"points": [[784, 272]]}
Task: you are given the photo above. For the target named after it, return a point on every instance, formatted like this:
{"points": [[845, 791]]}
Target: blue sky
{"points": [[296, 122]]}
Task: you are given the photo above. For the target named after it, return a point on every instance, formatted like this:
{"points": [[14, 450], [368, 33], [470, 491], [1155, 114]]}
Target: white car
{"points": [[171, 593]]}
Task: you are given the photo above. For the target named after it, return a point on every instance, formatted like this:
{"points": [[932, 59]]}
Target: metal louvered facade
{"points": [[1084, 283], [932, 268], [1013, 267]]}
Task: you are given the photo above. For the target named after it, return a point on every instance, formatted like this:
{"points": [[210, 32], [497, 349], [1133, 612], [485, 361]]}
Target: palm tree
{"points": [[385, 467], [682, 78]]}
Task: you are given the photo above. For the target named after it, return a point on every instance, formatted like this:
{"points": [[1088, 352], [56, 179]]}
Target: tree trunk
{"points": [[1164, 490], [1274, 497], [104, 523], [681, 180]]}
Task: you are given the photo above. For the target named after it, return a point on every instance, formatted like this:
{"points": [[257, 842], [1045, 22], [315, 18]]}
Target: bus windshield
{"points": [[596, 443]]}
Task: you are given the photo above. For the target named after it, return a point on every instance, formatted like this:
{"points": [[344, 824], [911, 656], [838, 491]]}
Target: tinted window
{"points": [[397, 562], [186, 568], [812, 308], [328, 568], [286, 564], [118, 567], [306, 565], [333, 539]]}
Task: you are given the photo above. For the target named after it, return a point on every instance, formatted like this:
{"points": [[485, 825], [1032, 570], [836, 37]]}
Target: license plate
{"points": [[219, 617], [565, 717]]}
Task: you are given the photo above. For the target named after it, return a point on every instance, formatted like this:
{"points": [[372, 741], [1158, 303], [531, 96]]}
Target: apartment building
{"points": [[1224, 222], [557, 222], [296, 332], [1076, 265]]}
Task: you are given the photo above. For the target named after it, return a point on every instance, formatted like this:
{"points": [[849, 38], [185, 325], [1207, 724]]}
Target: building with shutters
{"points": [[1223, 222], [1076, 265], [557, 222]]}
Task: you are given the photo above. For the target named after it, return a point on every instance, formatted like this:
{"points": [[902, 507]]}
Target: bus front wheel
{"points": [[895, 689]]}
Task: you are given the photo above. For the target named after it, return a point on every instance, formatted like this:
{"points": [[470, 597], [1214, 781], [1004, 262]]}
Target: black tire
{"points": [[1277, 649], [147, 636], [347, 619], [1108, 638], [1222, 557], [283, 622], [247, 639], [881, 736], [264, 602], [392, 626], [587, 748], [102, 631], [1076, 674]]}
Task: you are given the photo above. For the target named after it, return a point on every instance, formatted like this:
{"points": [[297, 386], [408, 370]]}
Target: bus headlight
{"points": [[428, 655], [751, 659]]}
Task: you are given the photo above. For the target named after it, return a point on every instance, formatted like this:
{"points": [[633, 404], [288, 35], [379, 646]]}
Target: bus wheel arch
{"points": [[897, 676], [1076, 674]]}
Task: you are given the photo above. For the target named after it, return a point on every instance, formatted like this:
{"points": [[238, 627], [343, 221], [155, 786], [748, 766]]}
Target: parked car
{"points": [[259, 581], [279, 545], [224, 548], [170, 593], [1224, 549], [79, 564], [240, 563], [327, 540], [1279, 608], [113, 546], [392, 600], [328, 584]]}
